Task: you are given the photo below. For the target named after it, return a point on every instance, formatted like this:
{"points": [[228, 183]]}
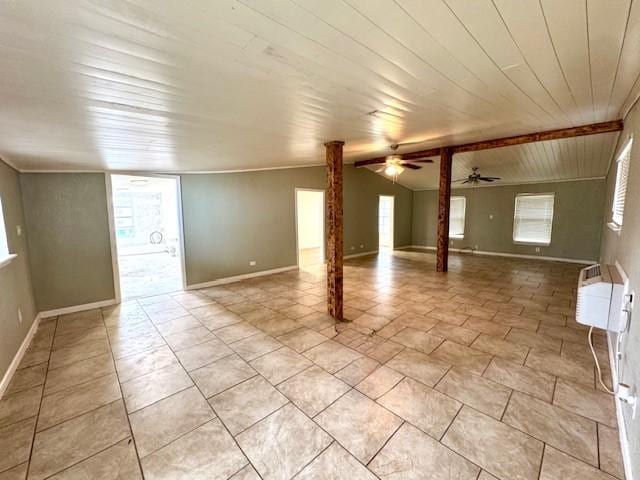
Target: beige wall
{"points": [[66, 218], [624, 247], [15, 280], [231, 219], [576, 223]]}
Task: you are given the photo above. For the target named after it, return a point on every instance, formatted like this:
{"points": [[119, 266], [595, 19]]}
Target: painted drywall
{"points": [[624, 247], [234, 218], [310, 216], [67, 222], [15, 279], [577, 219]]}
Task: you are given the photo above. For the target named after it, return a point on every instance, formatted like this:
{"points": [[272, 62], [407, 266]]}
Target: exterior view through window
{"points": [[457, 217], [385, 222]]}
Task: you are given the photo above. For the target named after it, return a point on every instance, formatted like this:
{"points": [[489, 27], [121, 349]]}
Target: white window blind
{"points": [[620, 193], [533, 218], [4, 246], [456, 216]]}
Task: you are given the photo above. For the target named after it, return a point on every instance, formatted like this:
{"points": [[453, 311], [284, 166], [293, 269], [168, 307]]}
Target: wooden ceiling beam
{"points": [[590, 129]]}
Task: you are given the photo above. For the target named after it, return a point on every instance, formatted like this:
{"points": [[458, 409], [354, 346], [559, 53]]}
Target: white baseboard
{"points": [[362, 254], [77, 308], [622, 428], [17, 358], [508, 255], [244, 276]]}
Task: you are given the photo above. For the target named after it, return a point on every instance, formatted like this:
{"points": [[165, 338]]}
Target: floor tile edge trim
{"points": [[17, 358]]}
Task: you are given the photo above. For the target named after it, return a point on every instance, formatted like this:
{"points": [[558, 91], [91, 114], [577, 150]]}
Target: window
{"points": [[533, 218], [456, 217], [622, 175], [4, 246]]}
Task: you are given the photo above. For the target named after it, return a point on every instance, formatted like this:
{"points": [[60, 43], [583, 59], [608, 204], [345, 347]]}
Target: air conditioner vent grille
{"points": [[592, 272]]}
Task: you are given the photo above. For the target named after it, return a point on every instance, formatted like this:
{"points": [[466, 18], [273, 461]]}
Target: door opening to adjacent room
{"points": [[385, 223], [147, 230], [310, 227]]}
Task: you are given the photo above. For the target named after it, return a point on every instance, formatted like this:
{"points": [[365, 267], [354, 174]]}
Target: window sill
{"points": [[6, 260], [614, 227], [536, 244], [457, 237]]}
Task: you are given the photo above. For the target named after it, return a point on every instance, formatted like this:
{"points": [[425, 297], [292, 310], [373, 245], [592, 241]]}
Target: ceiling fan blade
{"points": [[486, 179], [493, 178], [411, 166], [460, 180], [422, 160], [467, 181], [381, 169]]}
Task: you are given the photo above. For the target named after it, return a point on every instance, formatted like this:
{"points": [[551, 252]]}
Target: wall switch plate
{"points": [[252, 263]]}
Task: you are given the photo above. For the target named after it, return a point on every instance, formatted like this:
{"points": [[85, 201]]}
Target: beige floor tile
{"points": [[176, 325], [609, 449], [222, 374], [278, 325], [77, 439], [74, 401], [564, 333], [374, 322], [385, 351], [140, 364], [317, 321], [357, 371], [188, 338], [203, 354], [486, 326], [116, 462], [75, 353], [413, 455], [15, 473], [454, 318], [335, 463], [586, 401], [559, 428], [302, 339], [217, 319], [332, 356], [166, 314], [154, 386], [127, 346], [235, 332], [359, 424], [423, 407], [280, 445], [418, 340], [246, 473], [501, 348], [255, 346], [15, 443], [20, 406], [523, 379], [205, 453], [69, 339], [162, 422], [484, 475], [313, 389], [461, 356], [280, 364], [484, 395], [119, 332], [501, 450], [516, 321], [557, 465], [454, 333], [419, 366], [379, 382], [565, 367], [247, 403], [534, 340]]}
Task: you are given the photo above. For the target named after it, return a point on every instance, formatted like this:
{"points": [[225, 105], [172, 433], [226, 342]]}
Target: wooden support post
{"points": [[335, 228], [444, 202]]}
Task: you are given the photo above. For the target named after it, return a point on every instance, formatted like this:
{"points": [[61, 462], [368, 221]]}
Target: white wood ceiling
{"points": [[222, 85]]}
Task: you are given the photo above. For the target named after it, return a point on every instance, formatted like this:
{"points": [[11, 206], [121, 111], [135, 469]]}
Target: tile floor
{"points": [[481, 373]]}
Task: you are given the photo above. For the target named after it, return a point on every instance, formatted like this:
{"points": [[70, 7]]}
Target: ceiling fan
{"points": [[394, 165], [475, 178]]}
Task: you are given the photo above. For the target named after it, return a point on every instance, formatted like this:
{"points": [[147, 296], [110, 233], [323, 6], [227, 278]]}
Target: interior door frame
{"points": [[112, 226], [324, 220], [392, 223]]}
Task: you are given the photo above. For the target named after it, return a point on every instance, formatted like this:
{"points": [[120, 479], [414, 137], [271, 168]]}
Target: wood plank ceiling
{"points": [[227, 85]]}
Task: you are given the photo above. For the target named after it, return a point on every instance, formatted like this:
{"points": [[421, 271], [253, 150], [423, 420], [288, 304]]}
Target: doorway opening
{"points": [[385, 223], [148, 234], [310, 227]]}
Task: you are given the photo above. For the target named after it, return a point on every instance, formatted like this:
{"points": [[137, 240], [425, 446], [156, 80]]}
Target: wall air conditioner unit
{"points": [[600, 298]]}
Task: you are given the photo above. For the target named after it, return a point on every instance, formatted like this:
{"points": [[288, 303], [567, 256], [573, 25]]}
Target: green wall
{"points": [[233, 218], [577, 219], [624, 247], [15, 280], [66, 217]]}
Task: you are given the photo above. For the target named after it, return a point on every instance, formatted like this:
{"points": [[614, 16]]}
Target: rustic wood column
{"points": [[444, 202], [334, 228]]}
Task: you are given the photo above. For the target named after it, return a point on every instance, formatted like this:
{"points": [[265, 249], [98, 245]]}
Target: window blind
{"points": [[620, 192], [456, 216], [533, 218]]}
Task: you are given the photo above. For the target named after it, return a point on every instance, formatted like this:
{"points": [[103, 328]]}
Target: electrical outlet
{"points": [[352, 247], [361, 246], [537, 249], [19, 316], [252, 263], [491, 216], [19, 230], [475, 247]]}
